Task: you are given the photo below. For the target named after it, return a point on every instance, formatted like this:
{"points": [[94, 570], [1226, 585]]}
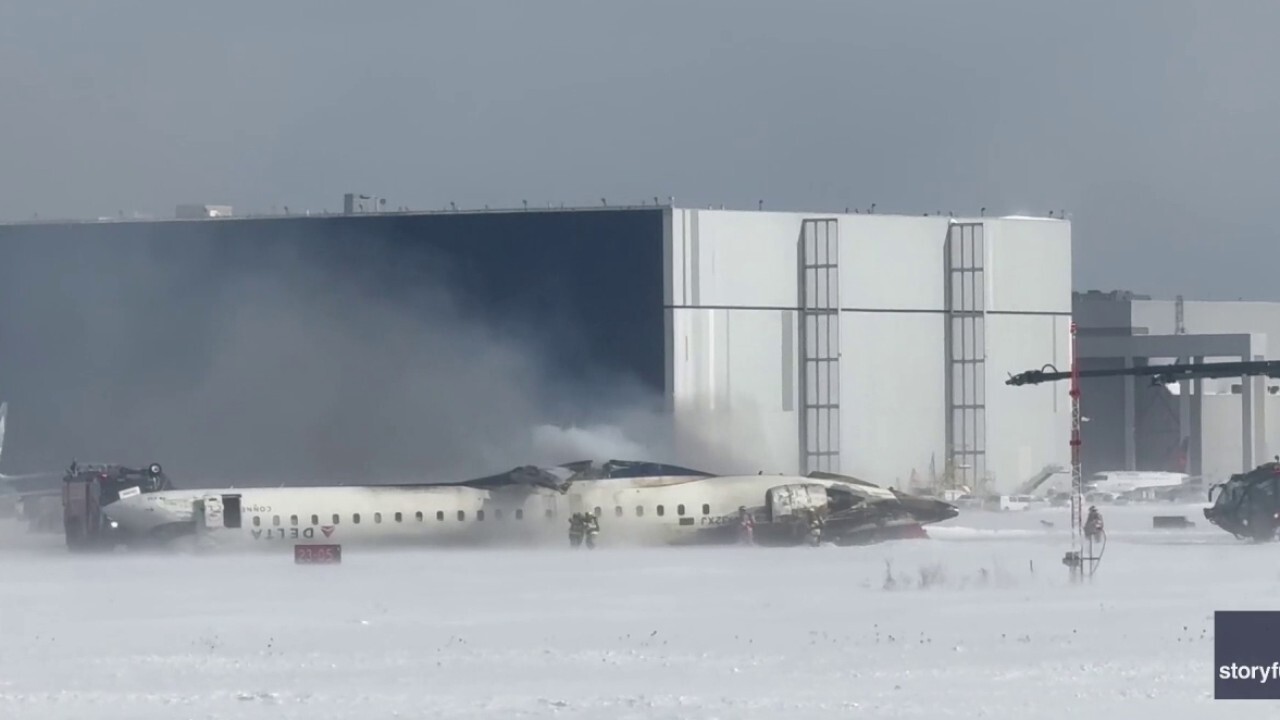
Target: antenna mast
{"points": [[1076, 557], [1077, 477]]}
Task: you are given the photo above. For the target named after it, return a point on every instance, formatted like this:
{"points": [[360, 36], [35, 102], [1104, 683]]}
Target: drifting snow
{"points": [[980, 622]]}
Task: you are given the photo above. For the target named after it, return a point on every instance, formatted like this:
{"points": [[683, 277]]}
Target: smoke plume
{"points": [[289, 369]]}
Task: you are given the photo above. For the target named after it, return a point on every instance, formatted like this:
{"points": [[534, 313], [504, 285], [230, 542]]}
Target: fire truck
{"points": [[87, 489]]}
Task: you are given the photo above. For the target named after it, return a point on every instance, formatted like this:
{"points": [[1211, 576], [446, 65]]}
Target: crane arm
{"points": [[1159, 374]]}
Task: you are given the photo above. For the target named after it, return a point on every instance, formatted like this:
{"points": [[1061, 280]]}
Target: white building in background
{"points": [[1228, 426], [871, 345]]}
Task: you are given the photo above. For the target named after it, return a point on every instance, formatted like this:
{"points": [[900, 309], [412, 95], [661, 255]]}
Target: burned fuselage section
{"points": [[832, 509], [719, 509], [1247, 505]]}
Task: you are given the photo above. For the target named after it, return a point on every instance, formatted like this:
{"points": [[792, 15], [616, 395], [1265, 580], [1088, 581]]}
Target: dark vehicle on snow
{"points": [[1248, 504]]}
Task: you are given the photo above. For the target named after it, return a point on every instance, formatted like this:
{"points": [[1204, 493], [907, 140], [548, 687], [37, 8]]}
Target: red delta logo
{"points": [[292, 533]]}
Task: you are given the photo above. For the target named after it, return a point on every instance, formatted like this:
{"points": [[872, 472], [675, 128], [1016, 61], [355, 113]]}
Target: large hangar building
{"points": [[867, 344]]}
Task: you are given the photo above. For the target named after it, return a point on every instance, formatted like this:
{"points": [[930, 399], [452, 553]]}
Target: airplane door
{"points": [[212, 512], [231, 511]]}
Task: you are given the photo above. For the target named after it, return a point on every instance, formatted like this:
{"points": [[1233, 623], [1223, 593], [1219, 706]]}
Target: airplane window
{"points": [[706, 509], [497, 514], [440, 515], [617, 510], [257, 521], [336, 518], [639, 511], [377, 517], [550, 513], [275, 520], [315, 519], [419, 516], [293, 519], [596, 512], [462, 515], [519, 513], [355, 518], [399, 517], [680, 509], [479, 515], [660, 511]]}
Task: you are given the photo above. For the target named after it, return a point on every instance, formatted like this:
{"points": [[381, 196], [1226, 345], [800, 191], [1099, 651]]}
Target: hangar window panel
{"points": [[819, 255], [966, 354]]}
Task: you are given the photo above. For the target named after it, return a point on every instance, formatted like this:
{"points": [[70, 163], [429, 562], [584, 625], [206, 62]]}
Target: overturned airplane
{"points": [[635, 503]]}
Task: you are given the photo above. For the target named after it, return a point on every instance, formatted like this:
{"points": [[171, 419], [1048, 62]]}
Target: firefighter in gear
{"points": [[815, 527], [1093, 525], [577, 526], [746, 526], [591, 526]]}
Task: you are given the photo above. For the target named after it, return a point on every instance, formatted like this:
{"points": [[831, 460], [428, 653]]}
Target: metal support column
{"points": [[1196, 431], [966, 350], [1130, 419], [1184, 426], [820, 345]]}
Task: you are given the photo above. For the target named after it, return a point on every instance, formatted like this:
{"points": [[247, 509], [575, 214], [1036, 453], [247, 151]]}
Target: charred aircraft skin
{"points": [[1248, 504]]}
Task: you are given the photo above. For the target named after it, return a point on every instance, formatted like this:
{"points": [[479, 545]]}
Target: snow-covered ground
{"points": [[996, 630]]}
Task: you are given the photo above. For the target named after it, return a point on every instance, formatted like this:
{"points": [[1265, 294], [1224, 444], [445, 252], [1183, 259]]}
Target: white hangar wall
{"points": [[1201, 317], [734, 328]]}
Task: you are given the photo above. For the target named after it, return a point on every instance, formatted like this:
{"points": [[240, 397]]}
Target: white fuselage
{"points": [[651, 510]]}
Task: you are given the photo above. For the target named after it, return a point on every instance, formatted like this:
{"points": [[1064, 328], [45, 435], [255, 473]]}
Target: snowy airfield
{"points": [[980, 622]]}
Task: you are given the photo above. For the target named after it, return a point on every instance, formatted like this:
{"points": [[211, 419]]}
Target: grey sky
{"points": [[1152, 123]]}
